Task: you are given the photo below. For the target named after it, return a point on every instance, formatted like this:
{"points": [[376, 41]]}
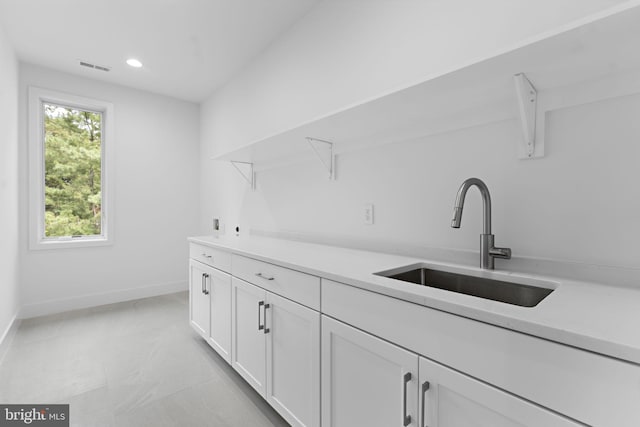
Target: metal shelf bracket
{"points": [[324, 152], [246, 170], [527, 107]]}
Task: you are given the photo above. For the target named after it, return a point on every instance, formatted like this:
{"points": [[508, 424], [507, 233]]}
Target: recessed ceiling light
{"points": [[134, 63]]}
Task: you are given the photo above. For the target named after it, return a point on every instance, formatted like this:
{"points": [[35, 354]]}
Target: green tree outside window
{"points": [[73, 164]]}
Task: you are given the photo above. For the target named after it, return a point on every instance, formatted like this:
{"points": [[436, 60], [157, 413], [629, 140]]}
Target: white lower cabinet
{"points": [[451, 399], [199, 301], [220, 319], [331, 359], [276, 349], [370, 382], [366, 381], [210, 306], [247, 333]]}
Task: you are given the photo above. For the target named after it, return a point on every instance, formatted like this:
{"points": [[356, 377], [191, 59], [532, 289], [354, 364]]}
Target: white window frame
{"points": [[37, 239]]}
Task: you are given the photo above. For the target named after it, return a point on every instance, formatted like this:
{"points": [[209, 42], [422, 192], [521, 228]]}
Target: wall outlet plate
{"points": [[368, 214]]}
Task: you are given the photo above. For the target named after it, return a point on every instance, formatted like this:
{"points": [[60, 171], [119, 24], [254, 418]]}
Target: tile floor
{"points": [[136, 363]]}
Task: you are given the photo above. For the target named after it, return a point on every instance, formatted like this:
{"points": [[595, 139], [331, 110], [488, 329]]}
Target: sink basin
{"points": [[482, 287]]}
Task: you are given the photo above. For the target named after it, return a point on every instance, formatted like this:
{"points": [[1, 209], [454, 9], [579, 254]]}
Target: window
{"points": [[69, 157]]}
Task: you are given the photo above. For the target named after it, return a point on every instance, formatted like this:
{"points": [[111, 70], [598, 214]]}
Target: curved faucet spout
{"points": [[486, 204], [488, 251]]}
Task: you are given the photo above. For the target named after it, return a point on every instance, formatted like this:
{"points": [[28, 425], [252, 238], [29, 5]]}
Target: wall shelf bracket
{"points": [[246, 170], [324, 151], [527, 108]]}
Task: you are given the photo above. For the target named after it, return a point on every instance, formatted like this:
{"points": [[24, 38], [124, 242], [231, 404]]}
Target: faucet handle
{"points": [[504, 253]]}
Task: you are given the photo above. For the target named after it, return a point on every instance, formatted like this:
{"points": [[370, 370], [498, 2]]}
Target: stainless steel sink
{"points": [[497, 290]]}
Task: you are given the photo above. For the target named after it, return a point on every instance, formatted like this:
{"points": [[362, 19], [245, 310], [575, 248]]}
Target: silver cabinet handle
{"points": [[202, 283], [206, 256], [260, 275], [260, 326], [406, 419], [206, 276], [425, 387], [266, 330]]}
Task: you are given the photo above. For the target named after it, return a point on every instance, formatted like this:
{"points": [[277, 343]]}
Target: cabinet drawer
{"points": [[300, 287], [210, 256]]}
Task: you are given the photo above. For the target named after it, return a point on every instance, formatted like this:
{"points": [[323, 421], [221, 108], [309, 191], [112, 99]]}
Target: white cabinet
{"points": [[366, 381], [219, 288], [248, 333], [210, 306], [293, 361], [452, 399], [294, 285], [199, 302], [378, 355], [583, 386], [213, 257], [276, 349]]}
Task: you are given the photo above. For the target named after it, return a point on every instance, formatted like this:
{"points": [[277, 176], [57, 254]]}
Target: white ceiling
{"points": [[188, 47]]}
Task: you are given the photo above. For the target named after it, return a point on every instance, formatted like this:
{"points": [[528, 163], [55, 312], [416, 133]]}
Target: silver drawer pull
{"points": [[260, 275], [206, 276], [406, 419], [206, 256], [266, 330], [425, 387], [261, 325]]}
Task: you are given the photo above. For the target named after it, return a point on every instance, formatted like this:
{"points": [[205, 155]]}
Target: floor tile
{"points": [[135, 363]]}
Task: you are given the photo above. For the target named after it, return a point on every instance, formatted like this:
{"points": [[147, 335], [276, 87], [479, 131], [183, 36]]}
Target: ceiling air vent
{"points": [[94, 66]]}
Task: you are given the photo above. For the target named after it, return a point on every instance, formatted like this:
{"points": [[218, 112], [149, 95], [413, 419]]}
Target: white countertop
{"points": [[598, 317]]}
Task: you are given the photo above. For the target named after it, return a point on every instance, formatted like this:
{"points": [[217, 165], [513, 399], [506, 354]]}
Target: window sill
{"points": [[70, 243]]}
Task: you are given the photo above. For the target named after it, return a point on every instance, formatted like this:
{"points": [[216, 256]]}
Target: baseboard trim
{"points": [[93, 300], [7, 336]]}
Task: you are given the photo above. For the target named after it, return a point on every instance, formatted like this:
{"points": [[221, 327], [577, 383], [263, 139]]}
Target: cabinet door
{"points": [[293, 361], [198, 298], [366, 381], [219, 286], [452, 399], [247, 333]]}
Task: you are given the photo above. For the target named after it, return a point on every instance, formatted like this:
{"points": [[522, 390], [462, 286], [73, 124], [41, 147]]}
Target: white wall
{"points": [[9, 292], [572, 206], [155, 202], [343, 52]]}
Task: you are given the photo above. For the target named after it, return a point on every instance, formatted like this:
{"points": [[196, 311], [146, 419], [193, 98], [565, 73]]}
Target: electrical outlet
{"points": [[218, 226], [368, 214]]}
